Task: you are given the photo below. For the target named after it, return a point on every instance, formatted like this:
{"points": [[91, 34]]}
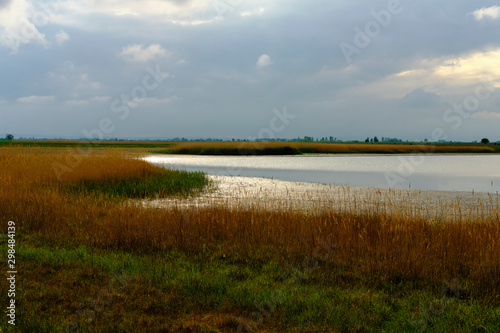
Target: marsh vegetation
{"points": [[217, 268]]}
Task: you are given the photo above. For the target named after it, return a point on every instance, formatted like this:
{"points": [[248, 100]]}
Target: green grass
{"points": [[113, 291], [160, 184]]}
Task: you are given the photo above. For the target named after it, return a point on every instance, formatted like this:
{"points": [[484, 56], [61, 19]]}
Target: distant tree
{"points": [[485, 141], [9, 137], [367, 140], [375, 139]]}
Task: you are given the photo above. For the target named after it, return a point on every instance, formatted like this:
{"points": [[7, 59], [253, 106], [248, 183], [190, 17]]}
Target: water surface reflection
{"points": [[480, 173]]}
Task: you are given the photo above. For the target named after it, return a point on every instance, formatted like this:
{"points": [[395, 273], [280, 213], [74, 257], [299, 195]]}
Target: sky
{"points": [[247, 69]]}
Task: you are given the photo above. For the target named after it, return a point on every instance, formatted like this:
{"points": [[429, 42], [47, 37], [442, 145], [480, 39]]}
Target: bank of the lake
{"points": [[273, 194], [295, 148]]}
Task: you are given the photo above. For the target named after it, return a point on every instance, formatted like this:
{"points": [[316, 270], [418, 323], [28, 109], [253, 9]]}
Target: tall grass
{"points": [[287, 148], [158, 183], [375, 245]]}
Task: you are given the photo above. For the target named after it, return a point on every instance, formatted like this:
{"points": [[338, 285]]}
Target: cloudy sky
{"points": [[250, 68]]}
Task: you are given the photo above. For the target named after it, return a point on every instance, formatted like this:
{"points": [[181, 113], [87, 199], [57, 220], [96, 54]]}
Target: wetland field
{"points": [[106, 241]]}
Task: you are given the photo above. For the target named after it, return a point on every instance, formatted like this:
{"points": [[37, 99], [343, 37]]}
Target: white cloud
{"points": [[17, 27], [166, 9], [486, 115], [73, 81], [443, 76], [193, 22], [62, 37], [179, 12], [75, 102], [154, 101], [139, 53], [264, 61], [81, 102], [85, 83], [100, 99], [258, 11], [36, 99], [491, 13]]}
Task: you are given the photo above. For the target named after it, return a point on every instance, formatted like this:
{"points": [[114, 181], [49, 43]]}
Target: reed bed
{"points": [[288, 148], [377, 244], [261, 194]]}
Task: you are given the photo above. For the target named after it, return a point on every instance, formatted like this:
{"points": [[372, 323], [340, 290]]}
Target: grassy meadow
{"points": [[89, 259]]}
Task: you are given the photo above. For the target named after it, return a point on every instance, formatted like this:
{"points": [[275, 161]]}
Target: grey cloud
{"points": [[419, 98], [179, 2], [4, 3], [423, 29]]}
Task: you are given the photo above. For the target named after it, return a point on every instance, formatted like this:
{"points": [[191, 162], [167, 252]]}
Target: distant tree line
{"points": [[325, 139], [312, 139]]}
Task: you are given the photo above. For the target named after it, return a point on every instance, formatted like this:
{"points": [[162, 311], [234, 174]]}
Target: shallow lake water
{"points": [[480, 173]]}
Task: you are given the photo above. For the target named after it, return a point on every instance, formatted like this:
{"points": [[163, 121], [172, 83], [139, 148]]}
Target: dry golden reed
{"points": [[341, 147], [384, 246]]}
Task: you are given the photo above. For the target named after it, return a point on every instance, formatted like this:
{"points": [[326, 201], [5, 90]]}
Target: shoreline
{"points": [[251, 192]]}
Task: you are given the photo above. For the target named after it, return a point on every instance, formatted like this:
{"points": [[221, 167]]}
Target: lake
{"points": [[480, 173]]}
